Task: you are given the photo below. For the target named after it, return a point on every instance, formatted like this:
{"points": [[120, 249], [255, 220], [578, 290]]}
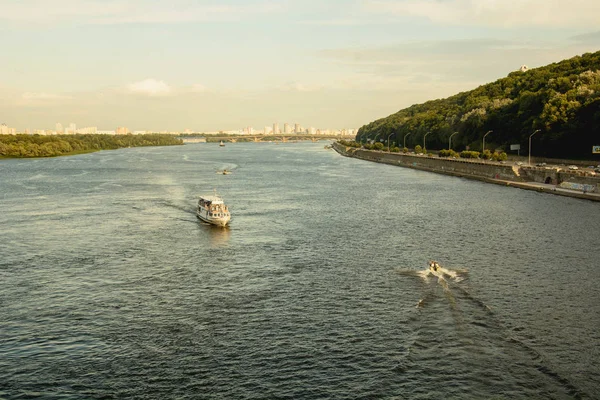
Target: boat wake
{"points": [[227, 169], [436, 272], [473, 326], [185, 208]]}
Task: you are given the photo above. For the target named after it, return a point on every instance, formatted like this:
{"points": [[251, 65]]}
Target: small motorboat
{"points": [[434, 266]]}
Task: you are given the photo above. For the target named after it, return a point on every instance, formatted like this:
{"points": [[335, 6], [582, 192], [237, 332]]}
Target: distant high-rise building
{"points": [[275, 128], [286, 128], [122, 130], [5, 130], [59, 128], [267, 130], [297, 128], [88, 130], [72, 128]]}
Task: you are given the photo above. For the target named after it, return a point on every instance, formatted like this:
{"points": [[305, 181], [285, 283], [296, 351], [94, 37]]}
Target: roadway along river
{"points": [[111, 288]]}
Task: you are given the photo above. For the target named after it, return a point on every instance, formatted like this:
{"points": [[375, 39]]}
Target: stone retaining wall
{"points": [[456, 167], [475, 169], [557, 176]]}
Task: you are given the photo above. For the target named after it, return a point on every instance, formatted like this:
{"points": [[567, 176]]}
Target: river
{"points": [[112, 288]]}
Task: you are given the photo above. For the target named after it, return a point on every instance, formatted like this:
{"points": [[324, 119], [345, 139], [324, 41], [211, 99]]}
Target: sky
{"points": [[225, 65]]}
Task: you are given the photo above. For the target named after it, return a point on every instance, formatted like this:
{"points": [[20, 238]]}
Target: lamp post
{"points": [[450, 141], [388, 141], [529, 159], [424, 147], [375, 138], [483, 146], [405, 140]]}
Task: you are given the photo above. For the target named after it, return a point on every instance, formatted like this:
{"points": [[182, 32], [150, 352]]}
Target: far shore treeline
{"points": [[59, 145], [561, 100]]}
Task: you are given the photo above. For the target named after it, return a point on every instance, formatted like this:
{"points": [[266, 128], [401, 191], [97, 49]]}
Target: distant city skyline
{"points": [[72, 128], [222, 65]]}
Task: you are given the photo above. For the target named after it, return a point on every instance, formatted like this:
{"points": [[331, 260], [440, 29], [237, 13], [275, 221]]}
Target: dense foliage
{"points": [[349, 143], [49, 146], [562, 100]]}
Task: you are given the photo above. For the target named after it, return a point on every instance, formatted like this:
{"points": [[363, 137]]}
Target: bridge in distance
{"points": [[260, 138]]}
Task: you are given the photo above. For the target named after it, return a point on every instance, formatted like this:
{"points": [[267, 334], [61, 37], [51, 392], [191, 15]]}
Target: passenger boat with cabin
{"points": [[212, 210]]}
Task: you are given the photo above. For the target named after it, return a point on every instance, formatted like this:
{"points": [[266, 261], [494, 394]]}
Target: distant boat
{"points": [[222, 144]]}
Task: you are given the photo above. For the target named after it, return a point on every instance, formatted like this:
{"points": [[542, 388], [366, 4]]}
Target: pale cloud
{"points": [[443, 65], [134, 11], [495, 13], [43, 96], [168, 13], [299, 87], [337, 22], [197, 88], [40, 99], [592, 37], [43, 11], [150, 87]]}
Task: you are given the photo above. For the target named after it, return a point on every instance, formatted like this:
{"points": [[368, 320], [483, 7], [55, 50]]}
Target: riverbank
{"points": [[73, 153], [547, 180], [34, 146]]}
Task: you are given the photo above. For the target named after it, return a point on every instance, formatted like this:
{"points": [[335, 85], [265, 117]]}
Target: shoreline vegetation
{"points": [[32, 146]]}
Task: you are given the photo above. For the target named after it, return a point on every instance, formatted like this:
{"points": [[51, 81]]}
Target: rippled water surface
{"points": [[111, 287]]}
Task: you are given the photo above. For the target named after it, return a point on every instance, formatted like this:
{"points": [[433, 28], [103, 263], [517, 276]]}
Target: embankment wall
{"points": [[485, 171], [456, 167]]}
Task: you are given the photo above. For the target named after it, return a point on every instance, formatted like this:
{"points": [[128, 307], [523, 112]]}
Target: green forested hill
{"points": [[562, 100]]}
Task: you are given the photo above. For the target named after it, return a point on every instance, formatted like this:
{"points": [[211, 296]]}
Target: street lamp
{"points": [[375, 138], [424, 147], [450, 141], [534, 132], [483, 146], [405, 139], [388, 141]]}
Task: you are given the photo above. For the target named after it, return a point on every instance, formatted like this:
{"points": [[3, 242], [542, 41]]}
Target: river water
{"points": [[111, 287]]}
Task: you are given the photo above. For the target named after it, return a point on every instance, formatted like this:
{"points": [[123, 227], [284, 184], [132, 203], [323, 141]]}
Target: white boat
{"points": [[221, 144], [212, 209]]}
